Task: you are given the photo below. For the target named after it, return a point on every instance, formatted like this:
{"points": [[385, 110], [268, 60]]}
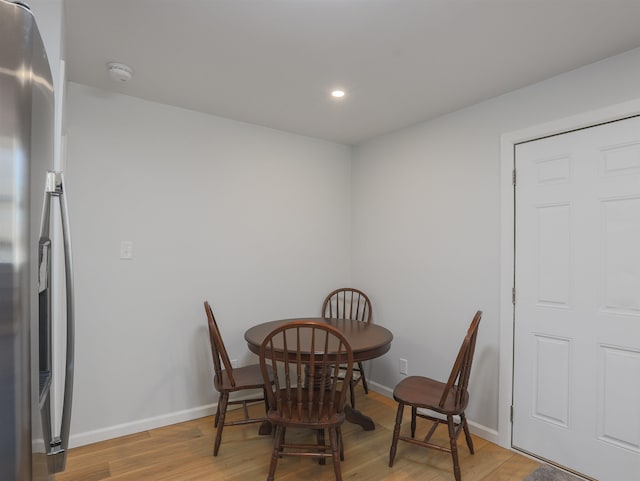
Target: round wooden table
{"points": [[367, 341]]}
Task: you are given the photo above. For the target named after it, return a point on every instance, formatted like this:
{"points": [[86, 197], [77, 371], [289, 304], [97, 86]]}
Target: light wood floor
{"points": [[183, 452]]}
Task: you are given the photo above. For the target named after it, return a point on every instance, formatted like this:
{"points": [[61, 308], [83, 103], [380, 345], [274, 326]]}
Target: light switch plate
{"points": [[126, 250]]}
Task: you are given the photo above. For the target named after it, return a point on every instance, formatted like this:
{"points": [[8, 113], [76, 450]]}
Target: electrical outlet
{"points": [[404, 367]]}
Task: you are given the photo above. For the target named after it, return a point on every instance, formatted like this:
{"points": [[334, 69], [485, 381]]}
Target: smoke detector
{"points": [[119, 72]]}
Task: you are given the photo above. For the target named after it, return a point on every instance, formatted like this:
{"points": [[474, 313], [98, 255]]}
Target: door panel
{"points": [[619, 422], [577, 314]]}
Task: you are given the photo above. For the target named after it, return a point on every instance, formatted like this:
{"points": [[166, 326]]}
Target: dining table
{"points": [[367, 341]]}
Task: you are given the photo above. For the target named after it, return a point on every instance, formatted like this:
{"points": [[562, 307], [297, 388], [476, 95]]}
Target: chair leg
{"points": [[353, 383], [467, 435], [454, 447], [266, 402], [352, 394], [222, 406], [414, 415], [215, 420], [283, 435], [364, 379], [275, 454], [396, 434], [265, 427], [333, 441], [321, 445], [340, 443]]}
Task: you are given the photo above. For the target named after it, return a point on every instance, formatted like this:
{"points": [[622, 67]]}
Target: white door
{"points": [[576, 386]]}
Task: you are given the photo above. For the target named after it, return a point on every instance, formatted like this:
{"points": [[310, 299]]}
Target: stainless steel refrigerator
{"points": [[31, 447]]}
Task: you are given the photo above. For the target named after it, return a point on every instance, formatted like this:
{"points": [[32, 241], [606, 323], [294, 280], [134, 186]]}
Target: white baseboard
{"points": [[380, 389], [483, 432], [125, 429], [141, 425], [477, 429]]}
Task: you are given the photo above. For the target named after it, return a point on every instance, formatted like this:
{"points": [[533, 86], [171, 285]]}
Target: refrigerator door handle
{"points": [[59, 445]]}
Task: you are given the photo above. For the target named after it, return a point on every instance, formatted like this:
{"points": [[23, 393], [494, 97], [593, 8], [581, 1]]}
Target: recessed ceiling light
{"points": [[338, 94]]}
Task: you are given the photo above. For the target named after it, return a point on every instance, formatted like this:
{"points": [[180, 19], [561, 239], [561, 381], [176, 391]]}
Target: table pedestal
{"points": [[352, 415], [265, 428], [356, 417]]}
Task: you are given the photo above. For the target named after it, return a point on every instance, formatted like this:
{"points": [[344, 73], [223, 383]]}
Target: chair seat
{"points": [[423, 392], [300, 417], [246, 377]]}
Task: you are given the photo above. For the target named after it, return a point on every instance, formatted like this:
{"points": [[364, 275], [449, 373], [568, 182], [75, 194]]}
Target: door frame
{"points": [[508, 142]]}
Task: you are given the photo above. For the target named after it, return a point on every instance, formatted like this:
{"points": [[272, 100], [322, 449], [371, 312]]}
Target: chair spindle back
{"points": [[219, 354], [459, 377], [347, 303], [305, 357]]}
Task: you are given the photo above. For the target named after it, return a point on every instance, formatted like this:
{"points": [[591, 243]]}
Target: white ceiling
{"points": [[274, 62]]}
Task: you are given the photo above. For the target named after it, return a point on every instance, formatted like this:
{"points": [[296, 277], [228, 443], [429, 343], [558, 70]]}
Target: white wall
{"points": [[244, 216], [241, 215], [426, 224]]}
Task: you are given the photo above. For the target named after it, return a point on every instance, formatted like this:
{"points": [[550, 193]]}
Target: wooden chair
{"points": [[349, 303], [448, 400], [228, 380], [307, 391]]}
